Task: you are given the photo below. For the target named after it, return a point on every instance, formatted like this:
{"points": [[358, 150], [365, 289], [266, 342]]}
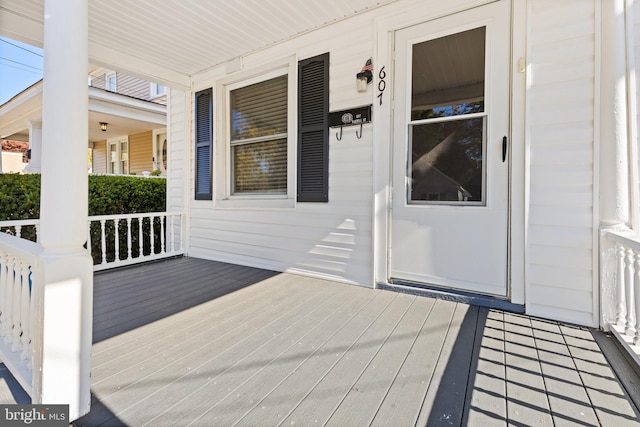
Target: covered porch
{"points": [[193, 342]]}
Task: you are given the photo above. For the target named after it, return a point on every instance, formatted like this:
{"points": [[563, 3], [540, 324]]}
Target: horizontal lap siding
{"points": [[333, 239], [141, 152], [561, 131], [99, 158]]}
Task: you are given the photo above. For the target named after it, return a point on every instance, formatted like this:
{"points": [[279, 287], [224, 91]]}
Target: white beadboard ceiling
{"points": [[170, 40]]}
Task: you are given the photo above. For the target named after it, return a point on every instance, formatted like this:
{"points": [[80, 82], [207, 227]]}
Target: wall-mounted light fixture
{"points": [[103, 126], [365, 76]]}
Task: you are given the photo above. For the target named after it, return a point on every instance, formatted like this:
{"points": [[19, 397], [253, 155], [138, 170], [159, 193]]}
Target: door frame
{"points": [[383, 96]]}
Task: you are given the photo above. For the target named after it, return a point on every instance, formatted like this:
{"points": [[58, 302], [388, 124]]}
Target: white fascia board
{"points": [[96, 94], [16, 113], [130, 112], [114, 60]]}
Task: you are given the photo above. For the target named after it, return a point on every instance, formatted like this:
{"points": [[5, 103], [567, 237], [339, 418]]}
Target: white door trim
{"points": [[383, 128]]}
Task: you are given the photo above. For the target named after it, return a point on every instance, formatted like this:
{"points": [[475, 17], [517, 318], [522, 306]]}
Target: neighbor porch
{"points": [[194, 342]]}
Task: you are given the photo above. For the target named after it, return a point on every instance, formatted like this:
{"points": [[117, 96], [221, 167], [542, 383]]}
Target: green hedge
{"points": [[108, 195]]}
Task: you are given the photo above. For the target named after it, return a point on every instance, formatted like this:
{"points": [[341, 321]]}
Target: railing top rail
{"points": [[19, 222], [629, 239], [21, 248], [135, 215]]}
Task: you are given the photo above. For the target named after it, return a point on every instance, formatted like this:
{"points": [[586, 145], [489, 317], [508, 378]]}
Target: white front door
{"points": [[450, 170]]}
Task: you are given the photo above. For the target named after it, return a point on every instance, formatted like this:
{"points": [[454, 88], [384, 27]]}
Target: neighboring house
{"points": [[529, 94], [13, 156], [134, 140]]}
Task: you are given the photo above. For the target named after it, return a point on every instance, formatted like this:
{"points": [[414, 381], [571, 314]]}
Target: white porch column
{"points": [[65, 351], [614, 149], [0, 156], [35, 145]]}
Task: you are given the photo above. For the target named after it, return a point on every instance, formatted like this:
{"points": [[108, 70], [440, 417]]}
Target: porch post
{"points": [[0, 156], [614, 161], [63, 354], [35, 145]]}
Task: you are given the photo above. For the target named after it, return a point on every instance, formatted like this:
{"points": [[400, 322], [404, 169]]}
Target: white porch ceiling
{"points": [[170, 40]]}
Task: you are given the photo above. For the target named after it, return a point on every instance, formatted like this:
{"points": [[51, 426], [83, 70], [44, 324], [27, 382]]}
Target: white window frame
{"points": [[117, 142], [107, 81], [223, 166], [157, 89]]}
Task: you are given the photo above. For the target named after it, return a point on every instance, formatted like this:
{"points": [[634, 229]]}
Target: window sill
{"points": [[255, 203]]}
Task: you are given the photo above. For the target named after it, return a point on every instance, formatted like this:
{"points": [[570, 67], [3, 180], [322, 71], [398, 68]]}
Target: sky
{"points": [[20, 67]]}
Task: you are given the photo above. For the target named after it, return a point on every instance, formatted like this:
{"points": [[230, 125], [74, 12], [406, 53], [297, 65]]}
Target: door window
{"points": [[447, 128]]}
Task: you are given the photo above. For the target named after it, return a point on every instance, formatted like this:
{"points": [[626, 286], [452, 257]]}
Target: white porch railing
{"points": [[28, 227], [620, 288], [118, 240], [131, 242], [19, 281]]}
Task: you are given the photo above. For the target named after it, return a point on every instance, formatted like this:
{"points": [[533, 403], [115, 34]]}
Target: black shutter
{"points": [[313, 129], [204, 145]]}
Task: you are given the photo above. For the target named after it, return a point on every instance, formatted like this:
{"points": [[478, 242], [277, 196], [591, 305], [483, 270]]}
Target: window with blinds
{"points": [[258, 128]]}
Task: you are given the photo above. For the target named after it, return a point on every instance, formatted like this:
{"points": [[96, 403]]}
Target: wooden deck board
{"points": [[604, 391], [486, 395], [444, 402], [188, 341], [568, 400], [212, 359], [527, 401]]}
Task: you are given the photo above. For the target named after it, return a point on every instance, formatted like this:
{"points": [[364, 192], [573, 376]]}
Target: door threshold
{"points": [[451, 295]]}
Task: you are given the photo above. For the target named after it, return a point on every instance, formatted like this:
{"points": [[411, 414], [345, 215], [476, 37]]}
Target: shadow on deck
{"points": [[194, 342]]}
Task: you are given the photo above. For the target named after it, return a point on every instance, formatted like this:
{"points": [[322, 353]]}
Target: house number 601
{"points": [[382, 84]]}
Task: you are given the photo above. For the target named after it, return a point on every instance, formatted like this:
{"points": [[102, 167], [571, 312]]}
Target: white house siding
{"points": [[334, 239], [99, 158], [141, 152], [559, 262]]}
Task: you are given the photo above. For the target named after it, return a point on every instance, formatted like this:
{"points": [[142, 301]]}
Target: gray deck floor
{"points": [[192, 342]]}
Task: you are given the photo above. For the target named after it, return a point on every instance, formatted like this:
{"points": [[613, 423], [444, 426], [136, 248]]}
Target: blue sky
{"points": [[20, 67]]}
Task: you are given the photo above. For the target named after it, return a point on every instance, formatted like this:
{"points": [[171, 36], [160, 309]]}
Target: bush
{"points": [[108, 195]]}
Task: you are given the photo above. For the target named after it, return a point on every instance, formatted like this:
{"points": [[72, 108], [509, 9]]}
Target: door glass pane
{"points": [[448, 75], [446, 150], [446, 161]]}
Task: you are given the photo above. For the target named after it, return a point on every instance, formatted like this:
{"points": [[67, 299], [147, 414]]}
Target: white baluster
{"points": [[18, 231], [636, 290], [17, 305], [152, 234], [629, 326], [621, 305], [172, 220], [3, 293], [140, 241], [116, 224], [89, 238], [9, 299], [162, 231], [103, 239], [37, 227], [25, 318], [182, 231], [128, 238]]}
